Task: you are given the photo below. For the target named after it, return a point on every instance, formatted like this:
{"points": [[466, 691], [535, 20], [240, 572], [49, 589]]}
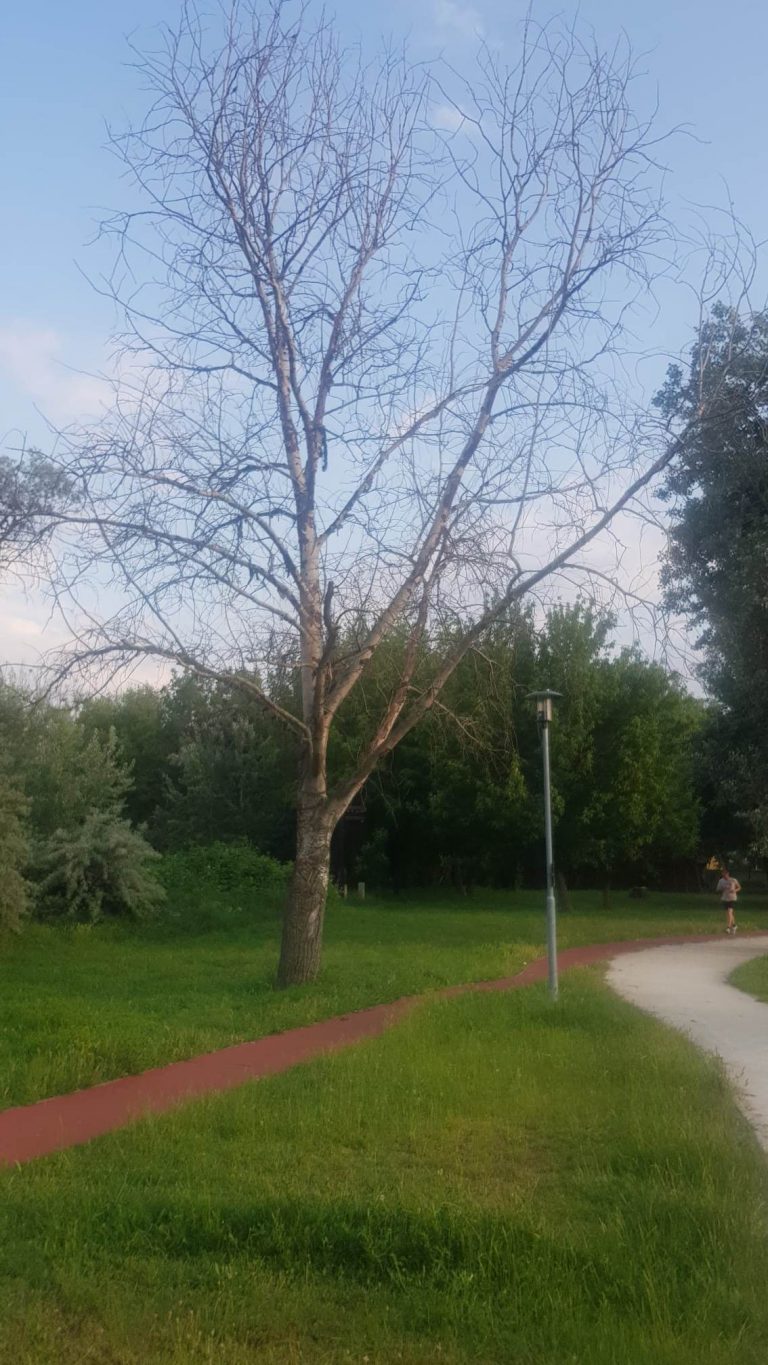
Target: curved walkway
{"points": [[688, 988], [35, 1130]]}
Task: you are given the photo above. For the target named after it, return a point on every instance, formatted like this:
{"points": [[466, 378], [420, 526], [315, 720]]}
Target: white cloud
{"points": [[35, 365], [451, 118], [27, 630], [458, 19], [15, 627], [32, 634], [447, 116]]}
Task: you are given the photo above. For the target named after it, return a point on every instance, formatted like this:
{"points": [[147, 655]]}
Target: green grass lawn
{"points": [[82, 1005], [496, 1180], [752, 977]]}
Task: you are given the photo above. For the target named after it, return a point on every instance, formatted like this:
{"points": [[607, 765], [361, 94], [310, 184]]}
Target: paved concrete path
{"points": [[687, 986], [34, 1130]]}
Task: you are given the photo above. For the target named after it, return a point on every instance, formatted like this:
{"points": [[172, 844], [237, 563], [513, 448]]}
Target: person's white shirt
{"points": [[728, 888]]}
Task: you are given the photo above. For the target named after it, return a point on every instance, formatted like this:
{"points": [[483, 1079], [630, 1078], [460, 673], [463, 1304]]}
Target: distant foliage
{"points": [[207, 765], [32, 491], [64, 771], [232, 776], [102, 868], [459, 801], [14, 854], [141, 723], [372, 864]]}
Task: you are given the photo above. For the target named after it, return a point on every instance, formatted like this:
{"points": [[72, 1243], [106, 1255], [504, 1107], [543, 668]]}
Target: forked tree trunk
{"points": [[305, 911]]}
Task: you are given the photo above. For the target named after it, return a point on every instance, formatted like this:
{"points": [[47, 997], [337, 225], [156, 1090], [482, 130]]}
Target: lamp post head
{"points": [[544, 702]]}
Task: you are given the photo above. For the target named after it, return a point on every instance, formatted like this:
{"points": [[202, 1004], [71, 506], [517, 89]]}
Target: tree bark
{"points": [[302, 938]]}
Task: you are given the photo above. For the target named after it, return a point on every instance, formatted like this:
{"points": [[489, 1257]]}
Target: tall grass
{"points": [[81, 1005], [495, 1180], [752, 977]]}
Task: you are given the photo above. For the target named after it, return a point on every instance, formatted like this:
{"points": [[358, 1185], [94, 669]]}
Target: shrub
{"points": [[225, 867], [198, 876], [14, 854], [101, 868]]}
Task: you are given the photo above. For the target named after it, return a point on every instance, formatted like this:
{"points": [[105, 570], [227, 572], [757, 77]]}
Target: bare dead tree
{"points": [[384, 311]]}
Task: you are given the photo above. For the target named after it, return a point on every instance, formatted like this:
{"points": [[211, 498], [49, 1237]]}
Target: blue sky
{"points": [[65, 71]]}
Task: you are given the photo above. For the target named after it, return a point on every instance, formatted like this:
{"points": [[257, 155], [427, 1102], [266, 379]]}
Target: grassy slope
{"points": [[752, 977], [495, 1180], [83, 1005]]}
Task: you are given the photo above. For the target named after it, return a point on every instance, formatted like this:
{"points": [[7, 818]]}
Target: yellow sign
{"points": [[713, 865]]}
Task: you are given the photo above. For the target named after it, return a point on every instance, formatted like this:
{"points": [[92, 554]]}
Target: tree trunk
{"points": [[302, 939]]}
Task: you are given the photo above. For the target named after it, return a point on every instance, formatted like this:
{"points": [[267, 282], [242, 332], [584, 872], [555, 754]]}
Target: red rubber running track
{"points": [[35, 1130]]}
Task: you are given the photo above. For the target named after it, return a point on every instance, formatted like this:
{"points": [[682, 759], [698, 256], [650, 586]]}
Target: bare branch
{"points": [[378, 334]]}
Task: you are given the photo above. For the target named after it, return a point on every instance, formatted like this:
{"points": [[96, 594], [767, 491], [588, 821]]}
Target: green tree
{"points": [[61, 797], [461, 798], [148, 732], [482, 804], [33, 494], [101, 867], [14, 856], [638, 814], [716, 569], [63, 771], [232, 775]]}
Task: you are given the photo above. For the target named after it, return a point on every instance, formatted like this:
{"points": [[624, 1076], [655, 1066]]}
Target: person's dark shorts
{"points": [[729, 905]]}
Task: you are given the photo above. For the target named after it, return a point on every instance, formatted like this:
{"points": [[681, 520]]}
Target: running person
{"points": [[729, 889]]}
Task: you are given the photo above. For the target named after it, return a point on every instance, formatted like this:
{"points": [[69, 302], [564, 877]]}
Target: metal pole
{"points": [[551, 904]]}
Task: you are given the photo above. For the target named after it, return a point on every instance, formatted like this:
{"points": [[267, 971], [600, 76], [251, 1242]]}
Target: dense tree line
{"points": [[459, 802], [91, 792]]}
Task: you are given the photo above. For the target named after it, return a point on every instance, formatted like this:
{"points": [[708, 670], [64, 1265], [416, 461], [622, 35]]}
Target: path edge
{"points": [[63, 1121]]}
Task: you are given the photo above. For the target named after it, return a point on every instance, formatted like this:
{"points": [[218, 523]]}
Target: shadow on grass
{"points": [[490, 1257], [369, 1245]]}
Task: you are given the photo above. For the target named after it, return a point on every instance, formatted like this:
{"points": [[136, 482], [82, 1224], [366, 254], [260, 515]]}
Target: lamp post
{"points": [[544, 710]]}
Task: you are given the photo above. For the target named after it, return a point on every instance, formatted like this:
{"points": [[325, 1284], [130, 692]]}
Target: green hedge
{"points": [[219, 871], [225, 867]]}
